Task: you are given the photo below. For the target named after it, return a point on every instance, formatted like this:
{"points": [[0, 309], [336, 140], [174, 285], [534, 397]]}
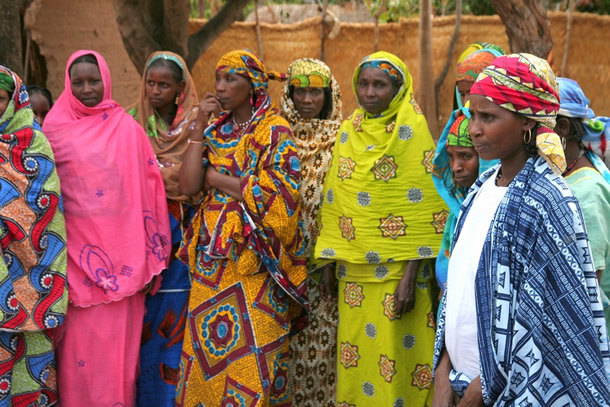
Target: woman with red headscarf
{"points": [[527, 292]]}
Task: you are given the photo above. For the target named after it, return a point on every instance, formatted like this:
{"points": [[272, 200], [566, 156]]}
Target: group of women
{"points": [[200, 251]]}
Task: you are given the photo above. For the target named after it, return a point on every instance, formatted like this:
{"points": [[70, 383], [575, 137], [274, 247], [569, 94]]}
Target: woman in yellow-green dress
{"points": [[381, 226]]}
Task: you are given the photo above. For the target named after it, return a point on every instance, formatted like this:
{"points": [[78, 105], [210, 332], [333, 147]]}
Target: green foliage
{"points": [[394, 9], [594, 6], [474, 7]]}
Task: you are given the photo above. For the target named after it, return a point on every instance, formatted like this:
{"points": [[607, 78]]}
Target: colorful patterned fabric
{"points": [[384, 359], [476, 47], [470, 68], [245, 259], [525, 84], [309, 72], [315, 139], [380, 210], [313, 350], [393, 72], [452, 193], [33, 286], [245, 63], [373, 221], [116, 217], [6, 82], [458, 135], [574, 103], [169, 140], [472, 48], [541, 342]]}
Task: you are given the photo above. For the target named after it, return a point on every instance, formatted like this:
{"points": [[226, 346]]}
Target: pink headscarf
{"points": [[115, 206]]}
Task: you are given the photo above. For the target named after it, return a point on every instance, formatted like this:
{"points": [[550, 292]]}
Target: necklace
{"points": [[240, 127], [582, 152]]}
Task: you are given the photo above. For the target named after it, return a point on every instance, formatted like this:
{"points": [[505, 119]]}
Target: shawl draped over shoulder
{"points": [[115, 204]]}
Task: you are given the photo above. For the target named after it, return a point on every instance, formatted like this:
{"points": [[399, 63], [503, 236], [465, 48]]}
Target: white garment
{"points": [[461, 311]]}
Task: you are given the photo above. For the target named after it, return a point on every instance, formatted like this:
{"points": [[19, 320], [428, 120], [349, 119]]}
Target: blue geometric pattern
{"points": [[541, 333]]}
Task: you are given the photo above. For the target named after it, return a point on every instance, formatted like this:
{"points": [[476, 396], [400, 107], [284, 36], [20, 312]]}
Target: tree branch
{"points": [[202, 39], [136, 36]]}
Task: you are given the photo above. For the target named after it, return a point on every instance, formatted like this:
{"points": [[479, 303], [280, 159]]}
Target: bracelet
{"points": [[195, 141]]}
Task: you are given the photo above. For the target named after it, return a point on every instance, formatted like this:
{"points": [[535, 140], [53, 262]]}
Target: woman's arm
{"points": [[192, 174], [228, 184], [444, 396]]}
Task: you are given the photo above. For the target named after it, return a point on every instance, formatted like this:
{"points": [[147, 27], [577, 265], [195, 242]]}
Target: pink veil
{"points": [[113, 195]]}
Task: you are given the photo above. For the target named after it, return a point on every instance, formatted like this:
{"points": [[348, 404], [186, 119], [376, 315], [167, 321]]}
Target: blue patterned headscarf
{"points": [[393, 72], [574, 103]]}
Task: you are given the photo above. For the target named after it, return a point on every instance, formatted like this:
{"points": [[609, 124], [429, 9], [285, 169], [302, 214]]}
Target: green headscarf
{"points": [[6, 83]]}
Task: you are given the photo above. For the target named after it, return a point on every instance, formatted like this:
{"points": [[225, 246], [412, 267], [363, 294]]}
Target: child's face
{"points": [[464, 90], [464, 162]]}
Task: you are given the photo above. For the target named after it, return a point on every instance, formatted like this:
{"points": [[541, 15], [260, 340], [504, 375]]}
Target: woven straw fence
{"points": [[589, 56]]}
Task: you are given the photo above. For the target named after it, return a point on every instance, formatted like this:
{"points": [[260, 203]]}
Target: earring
{"points": [[529, 136], [177, 98], [563, 142], [251, 97]]}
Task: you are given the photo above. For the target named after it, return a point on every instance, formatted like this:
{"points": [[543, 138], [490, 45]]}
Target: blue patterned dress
{"points": [[541, 330]]}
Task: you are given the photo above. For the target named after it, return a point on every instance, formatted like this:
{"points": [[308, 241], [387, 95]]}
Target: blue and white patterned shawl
{"points": [[541, 330]]}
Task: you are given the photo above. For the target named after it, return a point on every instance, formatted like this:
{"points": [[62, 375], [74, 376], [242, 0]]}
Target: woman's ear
{"points": [[562, 128], [181, 86], [529, 124]]}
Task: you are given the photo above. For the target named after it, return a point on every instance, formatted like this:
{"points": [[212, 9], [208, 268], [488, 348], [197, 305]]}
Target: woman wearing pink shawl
{"points": [[118, 235]]}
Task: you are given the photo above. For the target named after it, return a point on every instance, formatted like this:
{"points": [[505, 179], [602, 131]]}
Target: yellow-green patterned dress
{"points": [[381, 210]]}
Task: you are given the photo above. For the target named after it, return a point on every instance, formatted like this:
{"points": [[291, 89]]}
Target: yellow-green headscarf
{"points": [[380, 204]]}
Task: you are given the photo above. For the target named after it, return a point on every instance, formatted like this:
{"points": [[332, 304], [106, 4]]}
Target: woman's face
{"points": [[375, 90], [308, 101], [464, 90], [233, 90], [40, 106], [161, 86], [464, 161], [5, 98], [86, 83], [496, 133]]}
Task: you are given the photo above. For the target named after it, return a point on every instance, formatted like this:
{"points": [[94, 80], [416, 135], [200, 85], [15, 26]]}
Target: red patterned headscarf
{"points": [[525, 84]]}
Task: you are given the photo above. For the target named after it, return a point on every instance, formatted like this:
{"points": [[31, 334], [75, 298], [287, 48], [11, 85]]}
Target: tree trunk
{"points": [[566, 51], [456, 34], [11, 35], [153, 25], [259, 37], [426, 68], [527, 25], [323, 31]]}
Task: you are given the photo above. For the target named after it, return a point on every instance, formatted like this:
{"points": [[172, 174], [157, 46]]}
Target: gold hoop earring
{"points": [[529, 138]]}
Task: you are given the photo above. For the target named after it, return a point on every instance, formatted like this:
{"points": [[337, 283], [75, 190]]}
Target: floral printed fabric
{"points": [[313, 351], [33, 283], [380, 210], [246, 264]]}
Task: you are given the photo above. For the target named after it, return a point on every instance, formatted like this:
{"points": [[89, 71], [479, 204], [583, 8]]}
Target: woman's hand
{"points": [[444, 396], [208, 106], [404, 296], [473, 396], [328, 283]]}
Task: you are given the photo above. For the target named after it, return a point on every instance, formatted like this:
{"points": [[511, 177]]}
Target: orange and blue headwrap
{"points": [[245, 63]]}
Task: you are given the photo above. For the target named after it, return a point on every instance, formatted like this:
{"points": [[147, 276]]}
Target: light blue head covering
{"points": [[573, 103]]}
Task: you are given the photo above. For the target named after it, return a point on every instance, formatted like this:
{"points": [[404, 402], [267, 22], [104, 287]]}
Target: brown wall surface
{"points": [[62, 26]]}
